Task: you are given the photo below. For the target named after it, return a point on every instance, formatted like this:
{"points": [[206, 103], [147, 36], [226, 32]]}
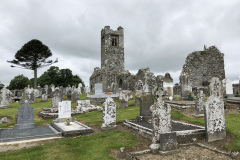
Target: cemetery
{"points": [[126, 116]]}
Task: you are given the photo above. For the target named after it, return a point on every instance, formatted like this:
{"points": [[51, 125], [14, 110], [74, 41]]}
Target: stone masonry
{"points": [[201, 66]]}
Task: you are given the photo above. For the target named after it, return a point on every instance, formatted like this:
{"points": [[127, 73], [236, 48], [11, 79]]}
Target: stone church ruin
{"points": [[199, 68]]}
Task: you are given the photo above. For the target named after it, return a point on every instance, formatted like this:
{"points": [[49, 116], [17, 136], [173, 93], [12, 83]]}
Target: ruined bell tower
{"points": [[112, 56], [112, 50]]}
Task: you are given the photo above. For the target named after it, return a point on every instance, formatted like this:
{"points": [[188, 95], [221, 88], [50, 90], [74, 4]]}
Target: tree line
{"points": [[54, 75]]}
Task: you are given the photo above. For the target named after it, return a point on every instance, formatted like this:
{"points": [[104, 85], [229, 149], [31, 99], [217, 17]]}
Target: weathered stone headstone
{"points": [[229, 88], [163, 137], [61, 91], [64, 109], [80, 88], [109, 114], [4, 98], [199, 104], [25, 117], [57, 97], [75, 96], [87, 90], [168, 85], [186, 86], [46, 89], [214, 112], [44, 98], [124, 96], [69, 92], [82, 105], [32, 98]]}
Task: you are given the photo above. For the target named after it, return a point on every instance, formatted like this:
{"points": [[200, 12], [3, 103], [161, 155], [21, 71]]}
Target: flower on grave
{"points": [[67, 121], [55, 110]]}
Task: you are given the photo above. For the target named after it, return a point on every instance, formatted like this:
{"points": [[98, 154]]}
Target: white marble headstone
{"points": [[64, 109], [229, 87], [98, 88]]}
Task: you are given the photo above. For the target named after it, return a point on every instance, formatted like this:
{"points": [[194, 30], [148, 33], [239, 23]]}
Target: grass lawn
{"points": [[96, 146]]}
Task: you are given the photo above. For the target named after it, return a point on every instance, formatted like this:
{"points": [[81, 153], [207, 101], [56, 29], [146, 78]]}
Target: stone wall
{"points": [[202, 66]]}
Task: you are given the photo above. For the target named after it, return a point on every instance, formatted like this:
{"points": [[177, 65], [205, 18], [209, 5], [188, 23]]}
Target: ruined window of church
{"points": [[114, 41]]}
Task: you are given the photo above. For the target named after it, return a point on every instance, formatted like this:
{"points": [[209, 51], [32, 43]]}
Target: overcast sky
{"points": [[157, 34]]}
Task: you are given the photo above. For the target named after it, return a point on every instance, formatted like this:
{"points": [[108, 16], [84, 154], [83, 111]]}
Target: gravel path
{"points": [[187, 153]]}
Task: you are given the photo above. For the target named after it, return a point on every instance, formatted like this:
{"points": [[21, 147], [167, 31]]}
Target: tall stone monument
{"points": [[146, 100], [214, 112], [164, 140], [108, 114]]}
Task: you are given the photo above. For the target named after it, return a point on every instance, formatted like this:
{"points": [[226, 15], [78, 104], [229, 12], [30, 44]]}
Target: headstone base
{"points": [[74, 128], [109, 127], [218, 135], [230, 95], [24, 126]]}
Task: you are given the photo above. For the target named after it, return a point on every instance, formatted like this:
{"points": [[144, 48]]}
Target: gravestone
{"points": [[61, 91], [214, 112], [108, 114], [199, 104], [45, 89], [164, 140], [49, 92], [4, 98], [57, 97], [138, 92], [69, 93], [98, 88], [229, 88], [64, 109], [146, 100], [32, 98], [25, 117], [124, 96], [85, 106], [82, 105], [66, 124], [168, 85], [87, 90], [44, 98], [75, 96], [186, 86], [80, 88]]}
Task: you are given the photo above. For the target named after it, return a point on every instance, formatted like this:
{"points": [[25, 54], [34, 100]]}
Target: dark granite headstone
{"points": [[49, 92], [25, 117], [145, 103]]}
